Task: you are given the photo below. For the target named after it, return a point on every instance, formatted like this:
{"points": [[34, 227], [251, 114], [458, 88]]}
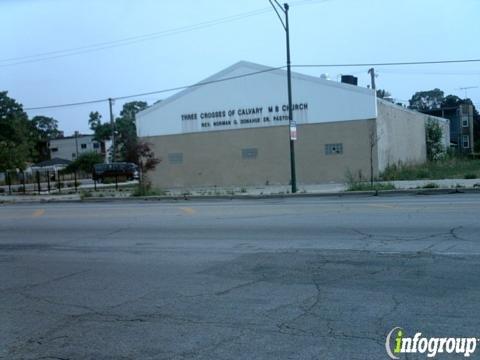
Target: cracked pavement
{"points": [[312, 278]]}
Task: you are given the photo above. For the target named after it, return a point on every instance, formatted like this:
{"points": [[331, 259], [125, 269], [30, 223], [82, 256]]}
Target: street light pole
{"points": [[285, 25], [290, 110]]}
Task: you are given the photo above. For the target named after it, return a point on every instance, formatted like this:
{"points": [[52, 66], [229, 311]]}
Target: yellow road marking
{"points": [[188, 210], [38, 213]]}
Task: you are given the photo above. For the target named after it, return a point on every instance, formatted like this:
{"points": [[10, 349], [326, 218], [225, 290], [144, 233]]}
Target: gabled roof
{"points": [[255, 69]]}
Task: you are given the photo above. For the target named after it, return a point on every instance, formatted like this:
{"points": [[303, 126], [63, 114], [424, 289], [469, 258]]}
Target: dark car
{"points": [[117, 169]]}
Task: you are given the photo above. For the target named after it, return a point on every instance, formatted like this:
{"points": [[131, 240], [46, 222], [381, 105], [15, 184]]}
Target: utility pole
{"points": [[285, 25], [76, 144], [371, 71], [112, 123]]}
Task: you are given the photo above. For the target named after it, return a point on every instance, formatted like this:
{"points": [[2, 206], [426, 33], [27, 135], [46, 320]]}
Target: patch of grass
{"points": [[448, 168], [357, 182], [85, 194], [145, 190], [364, 186]]}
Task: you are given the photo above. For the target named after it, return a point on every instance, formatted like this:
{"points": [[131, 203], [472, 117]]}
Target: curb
{"points": [[345, 194], [383, 193], [406, 192]]}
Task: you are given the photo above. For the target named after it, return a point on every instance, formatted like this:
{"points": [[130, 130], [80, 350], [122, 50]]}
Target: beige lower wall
{"points": [[215, 158]]}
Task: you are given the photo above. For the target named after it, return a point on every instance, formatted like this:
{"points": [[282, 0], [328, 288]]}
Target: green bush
{"points": [[146, 190], [85, 162], [470, 176], [368, 186], [451, 167], [85, 194], [434, 133], [356, 182]]}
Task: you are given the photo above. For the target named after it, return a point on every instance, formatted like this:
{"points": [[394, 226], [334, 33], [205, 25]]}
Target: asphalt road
{"points": [[317, 278]]}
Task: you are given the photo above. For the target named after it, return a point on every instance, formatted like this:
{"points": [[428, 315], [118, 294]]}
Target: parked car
{"points": [[118, 169]]}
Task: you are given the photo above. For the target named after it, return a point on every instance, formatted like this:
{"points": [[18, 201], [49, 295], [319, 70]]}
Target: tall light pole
{"points": [[276, 6]]}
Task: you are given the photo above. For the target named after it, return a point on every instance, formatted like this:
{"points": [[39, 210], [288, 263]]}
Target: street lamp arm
{"points": [[278, 14]]}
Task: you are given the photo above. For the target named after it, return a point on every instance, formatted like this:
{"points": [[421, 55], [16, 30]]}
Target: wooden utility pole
{"points": [[112, 123], [371, 71]]}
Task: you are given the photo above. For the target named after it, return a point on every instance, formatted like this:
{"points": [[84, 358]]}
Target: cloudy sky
{"points": [[66, 51]]}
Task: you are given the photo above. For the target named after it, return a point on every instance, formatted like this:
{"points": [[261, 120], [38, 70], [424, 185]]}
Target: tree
{"points": [[47, 127], [146, 161], [427, 100], [94, 119], [17, 145], [476, 133], [43, 129], [384, 94], [126, 131], [434, 135], [451, 101], [85, 162], [102, 131], [373, 138]]}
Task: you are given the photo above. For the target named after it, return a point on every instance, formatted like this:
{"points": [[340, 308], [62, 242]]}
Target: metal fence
{"points": [[41, 182], [51, 182]]}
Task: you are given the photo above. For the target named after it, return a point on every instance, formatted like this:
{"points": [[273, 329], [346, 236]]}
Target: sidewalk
{"points": [[329, 188], [401, 187], [38, 198], [444, 183]]}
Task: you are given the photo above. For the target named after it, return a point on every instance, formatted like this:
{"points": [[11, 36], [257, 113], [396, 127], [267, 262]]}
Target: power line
{"points": [[199, 84], [245, 75], [139, 38], [67, 104], [415, 72], [122, 42], [392, 63], [155, 92]]}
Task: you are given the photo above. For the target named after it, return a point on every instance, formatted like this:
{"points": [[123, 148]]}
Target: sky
{"points": [[86, 54]]}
